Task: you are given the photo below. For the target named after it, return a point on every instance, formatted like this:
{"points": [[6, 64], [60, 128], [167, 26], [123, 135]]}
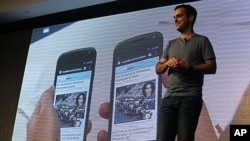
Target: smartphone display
{"points": [[135, 88], [73, 84]]}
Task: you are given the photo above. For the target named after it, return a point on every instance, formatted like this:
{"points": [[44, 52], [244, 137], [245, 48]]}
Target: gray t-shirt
{"points": [[193, 51]]}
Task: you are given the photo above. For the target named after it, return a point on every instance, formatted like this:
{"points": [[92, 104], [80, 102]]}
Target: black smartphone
{"points": [[73, 85], [135, 88]]}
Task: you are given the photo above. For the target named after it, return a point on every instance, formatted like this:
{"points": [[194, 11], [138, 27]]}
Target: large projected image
{"points": [[88, 80]]}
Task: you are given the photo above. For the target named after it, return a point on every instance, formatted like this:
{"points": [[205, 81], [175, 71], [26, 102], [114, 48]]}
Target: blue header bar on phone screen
{"points": [[74, 82], [136, 65], [74, 77]]}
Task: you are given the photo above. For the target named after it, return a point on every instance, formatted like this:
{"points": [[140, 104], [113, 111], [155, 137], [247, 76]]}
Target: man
{"points": [[186, 59]]}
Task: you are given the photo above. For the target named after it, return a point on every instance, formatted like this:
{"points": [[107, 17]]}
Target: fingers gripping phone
{"points": [[135, 88], [73, 85]]}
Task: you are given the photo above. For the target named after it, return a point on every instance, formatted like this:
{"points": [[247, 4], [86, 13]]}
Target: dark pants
{"points": [[179, 116]]}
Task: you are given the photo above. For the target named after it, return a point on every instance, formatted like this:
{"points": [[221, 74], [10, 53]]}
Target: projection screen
{"points": [[225, 94]]}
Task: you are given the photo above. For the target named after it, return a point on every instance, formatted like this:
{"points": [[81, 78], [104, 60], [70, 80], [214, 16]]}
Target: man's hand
{"points": [[173, 63], [103, 112], [43, 124], [182, 64]]}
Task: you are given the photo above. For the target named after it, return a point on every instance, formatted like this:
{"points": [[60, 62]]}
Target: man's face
{"points": [[181, 20]]}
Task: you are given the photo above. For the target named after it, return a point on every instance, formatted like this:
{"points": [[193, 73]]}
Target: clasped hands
{"points": [[177, 64]]}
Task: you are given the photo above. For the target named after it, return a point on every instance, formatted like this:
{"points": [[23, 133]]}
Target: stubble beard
{"points": [[180, 29], [183, 28]]}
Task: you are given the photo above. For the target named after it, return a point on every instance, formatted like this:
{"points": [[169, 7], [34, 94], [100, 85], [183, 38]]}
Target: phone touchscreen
{"points": [[136, 89], [72, 94]]}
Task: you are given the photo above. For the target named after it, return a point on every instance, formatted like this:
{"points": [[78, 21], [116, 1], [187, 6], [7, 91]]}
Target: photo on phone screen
{"points": [[73, 85], [135, 88]]}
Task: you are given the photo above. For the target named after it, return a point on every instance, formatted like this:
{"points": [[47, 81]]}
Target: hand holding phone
{"points": [[73, 87], [44, 119]]}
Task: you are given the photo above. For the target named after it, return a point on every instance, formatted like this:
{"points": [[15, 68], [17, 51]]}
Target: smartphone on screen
{"points": [[135, 88], [73, 85]]}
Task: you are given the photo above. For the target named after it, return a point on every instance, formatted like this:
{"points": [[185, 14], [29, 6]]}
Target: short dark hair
{"points": [[152, 87], [189, 10]]}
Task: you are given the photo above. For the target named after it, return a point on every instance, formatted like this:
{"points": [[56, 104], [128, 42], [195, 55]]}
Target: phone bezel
{"points": [[130, 47], [74, 59]]}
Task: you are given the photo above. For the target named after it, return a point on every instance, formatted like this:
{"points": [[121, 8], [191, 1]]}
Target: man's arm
{"points": [[161, 66], [209, 67]]}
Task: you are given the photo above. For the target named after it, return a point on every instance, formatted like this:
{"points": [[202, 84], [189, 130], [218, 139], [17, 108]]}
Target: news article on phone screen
{"points": [[73, 86], [134, 116]]}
